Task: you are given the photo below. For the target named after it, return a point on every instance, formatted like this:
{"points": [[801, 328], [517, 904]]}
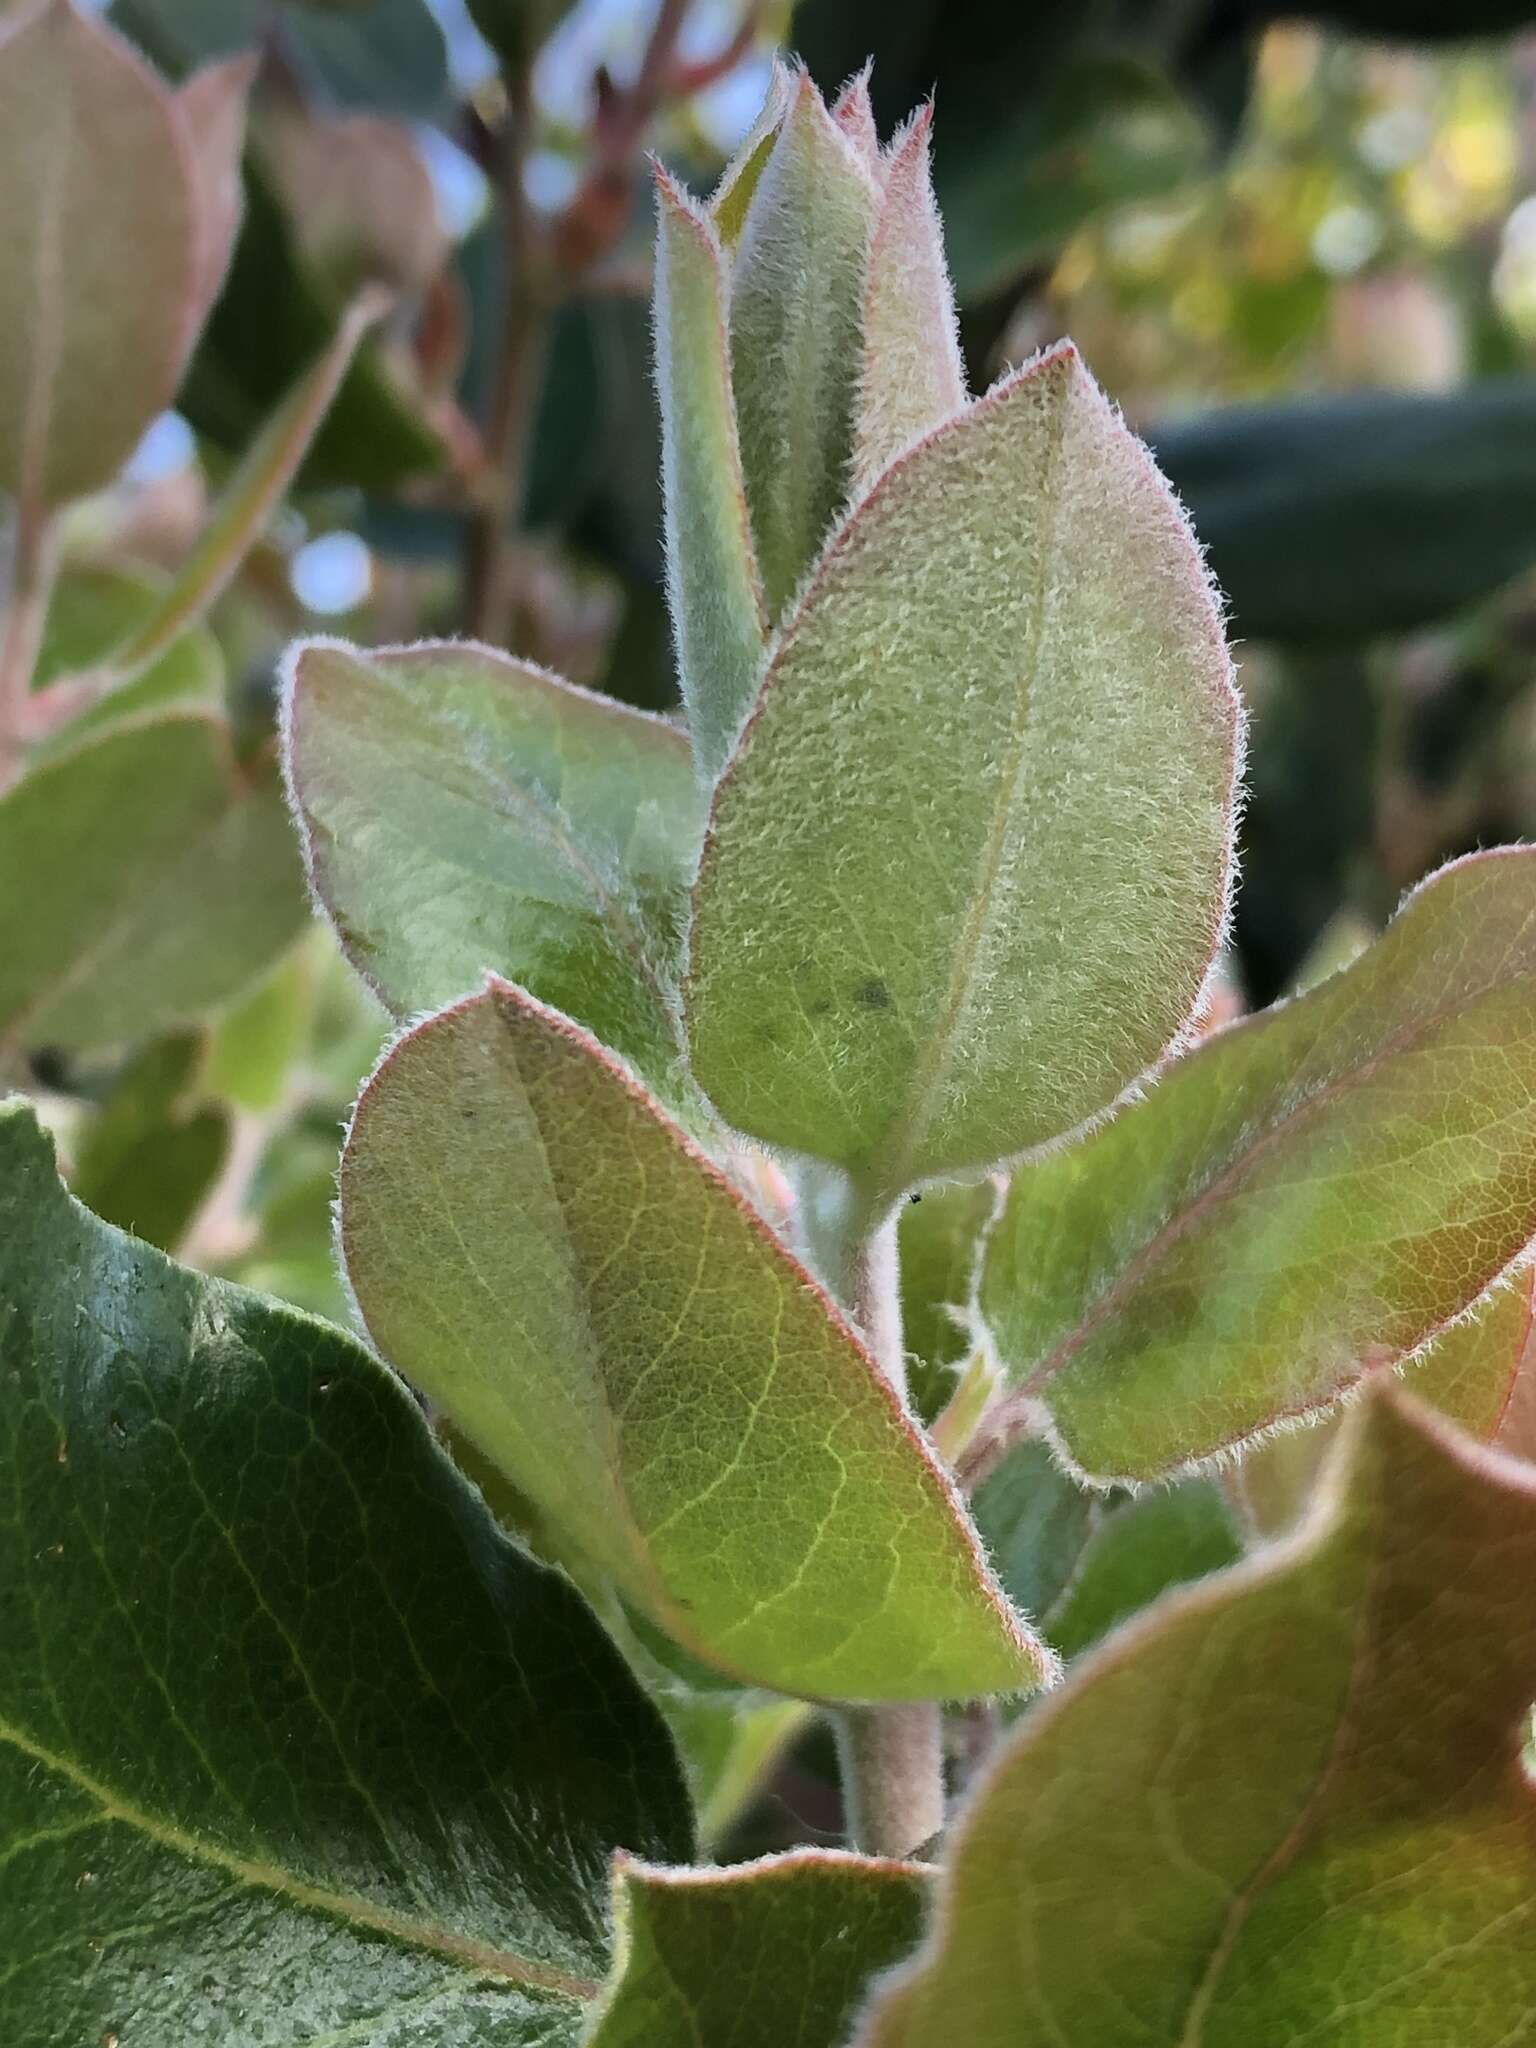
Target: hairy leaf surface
{"points": [[712, 581], [796, 315], [1315, 1190], [967, 868], [1285, 1807], [540, 1249], [774, 1954], [464, 811], [293, 1745]]}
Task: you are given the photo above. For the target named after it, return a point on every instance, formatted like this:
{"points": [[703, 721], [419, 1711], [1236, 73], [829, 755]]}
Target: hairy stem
{"points": [[891, 1758], [892, 1764]]}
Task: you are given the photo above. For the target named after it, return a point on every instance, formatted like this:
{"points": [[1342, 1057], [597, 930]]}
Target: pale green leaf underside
{"points": [[774, 1954], [712, 579], [466, 812], [143, 880], [1285, 1808], [294, 1747], [98, 263], [534, 1244], [1309, 1193], [966, 871]]}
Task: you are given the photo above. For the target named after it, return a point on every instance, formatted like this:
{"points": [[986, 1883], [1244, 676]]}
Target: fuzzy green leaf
{"points": [[774, 1954], [1480, 1373], [99, 261], [796, 319], [913, 378], [147, 878], [463, 811], [1320, 1188], [1135, 1551], [940, 1246], [541, 1250], [1285, 1807], [966, 872], [712, 579], [294, 1747]]}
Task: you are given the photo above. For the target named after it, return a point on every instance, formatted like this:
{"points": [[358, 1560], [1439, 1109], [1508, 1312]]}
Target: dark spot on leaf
{"points": [[323, 1386], [872, 994], [820, 1007]]}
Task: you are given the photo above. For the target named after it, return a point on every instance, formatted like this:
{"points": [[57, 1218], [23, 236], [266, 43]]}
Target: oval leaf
{"points": [[369, 1799], [100, 258], [772, 1954], [1125, 1875], [1317, 1189], [1007, 685], [463, 811], [541, 1250]]}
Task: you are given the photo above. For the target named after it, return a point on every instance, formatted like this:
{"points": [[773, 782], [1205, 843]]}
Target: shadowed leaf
{"points": [[1286, 1806], [464, 811], [372, 1799], [774, 1954]]}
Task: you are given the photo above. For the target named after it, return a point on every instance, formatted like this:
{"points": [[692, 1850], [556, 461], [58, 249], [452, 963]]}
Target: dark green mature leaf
{"points": [[1286, 1806], [154, 1149], [1136, 1550], [796, 319], [146, 878], [294, 1747], [99, 258], [712, 579], [464, 811], [1006, 686], [539, 1248], [1314, 1190], [773, 1954], [1346, 517]]}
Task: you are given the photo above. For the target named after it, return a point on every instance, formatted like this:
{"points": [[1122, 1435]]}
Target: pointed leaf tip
{"points": [[537, 1246], [1008, 652]]}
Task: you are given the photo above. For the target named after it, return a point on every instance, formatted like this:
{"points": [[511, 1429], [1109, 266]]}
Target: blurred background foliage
{"points": [[1297, 245]]}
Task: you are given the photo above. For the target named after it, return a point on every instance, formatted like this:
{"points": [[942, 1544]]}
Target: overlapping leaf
{"points": [[541, 1250], [775, 1954], [1321, 1188], [966, 869], [1285, 1807], [464, 811], [144, 878], [293, 1745]]}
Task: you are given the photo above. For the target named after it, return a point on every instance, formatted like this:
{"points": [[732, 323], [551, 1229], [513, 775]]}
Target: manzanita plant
{"points": [[800, 1208]]}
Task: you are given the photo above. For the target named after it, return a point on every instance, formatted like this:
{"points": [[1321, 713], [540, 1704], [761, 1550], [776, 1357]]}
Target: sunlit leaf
{"points": [[533, 1243], [1316, 1190], [966, 871]]}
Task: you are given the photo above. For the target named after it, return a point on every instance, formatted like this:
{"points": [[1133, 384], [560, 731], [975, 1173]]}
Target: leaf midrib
{"points": [[933, 1064], [1177, 1225], [479, 1959]]}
